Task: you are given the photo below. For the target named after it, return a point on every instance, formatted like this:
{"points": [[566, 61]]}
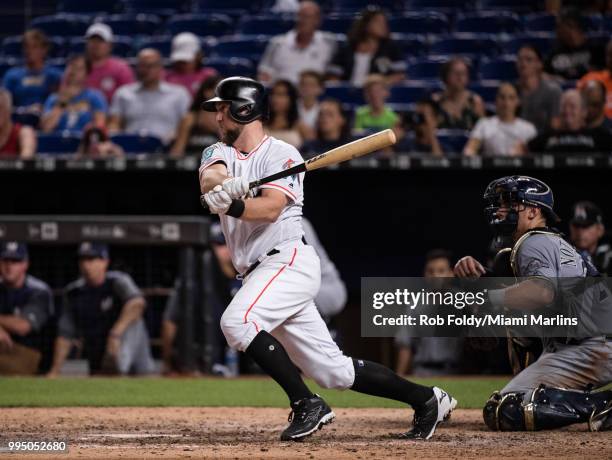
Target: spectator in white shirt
{"points": [[310, 89], [303, 48], [149, 106], [503, 134]]}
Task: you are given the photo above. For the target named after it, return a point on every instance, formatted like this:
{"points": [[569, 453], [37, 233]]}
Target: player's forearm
{"points": [[527, 295], [210, 178], [60, 353], [263, 209], [15, 324], [132, 311]]}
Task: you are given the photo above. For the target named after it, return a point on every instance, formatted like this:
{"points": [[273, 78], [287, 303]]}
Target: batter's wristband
{"points": [[236, 209]]}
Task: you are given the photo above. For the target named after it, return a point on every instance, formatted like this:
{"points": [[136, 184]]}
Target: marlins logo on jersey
{"points": [[290, 179]]}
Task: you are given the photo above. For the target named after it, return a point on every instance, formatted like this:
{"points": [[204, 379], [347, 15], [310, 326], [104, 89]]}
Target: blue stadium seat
{"points": [[25, 118], [427, 68], [235, 8], [512, 5], [134, 143], [163, 44], [468, 45], [429, 22], [122, 46], [358, 5], [594, 23], [607, 22], [89, 6], [443, 6], [249, 47], [345, 93], [540, 22], [201, 24], [546, 22], [502, 68], [411, 45], [57, 144], [338, 24], [228, 67], [452, 140], [489, 22], [266, 25], [487, 90], [62, 25], [12, 46], [410, 93], [58, 62], [542, 41], [161, 7], [134, 24]]}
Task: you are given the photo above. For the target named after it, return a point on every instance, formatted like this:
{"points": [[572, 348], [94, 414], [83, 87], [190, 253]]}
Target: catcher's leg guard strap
{"points": [[546, 408], [504, 412]]}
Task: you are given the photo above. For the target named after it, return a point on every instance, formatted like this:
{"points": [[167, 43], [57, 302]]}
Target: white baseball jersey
{"points": [[250, 241]]}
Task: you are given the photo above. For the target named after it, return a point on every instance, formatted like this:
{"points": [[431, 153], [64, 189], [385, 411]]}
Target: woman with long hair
{"points": [[283, 122], [457, 106], [369, 49]]}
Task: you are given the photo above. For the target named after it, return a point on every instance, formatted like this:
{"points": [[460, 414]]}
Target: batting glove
{"points": [[236, 187], [218, 200]]}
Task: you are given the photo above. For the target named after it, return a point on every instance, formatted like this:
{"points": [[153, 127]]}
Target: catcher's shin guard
{"points": [[546, 408]]}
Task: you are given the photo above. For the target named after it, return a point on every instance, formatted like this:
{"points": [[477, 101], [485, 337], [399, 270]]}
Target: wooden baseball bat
{"points": [[345, 152]]}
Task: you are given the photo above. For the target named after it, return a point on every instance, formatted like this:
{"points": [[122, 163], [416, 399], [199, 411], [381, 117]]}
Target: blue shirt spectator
{"points": [[31, 87], [31, 84], [79, 111], [74, 106]]}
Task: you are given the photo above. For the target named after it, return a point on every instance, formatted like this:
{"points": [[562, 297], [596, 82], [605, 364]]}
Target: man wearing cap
{"points": [[186, 58], [588, 234], [107, 73], [150, 105], [104, 308], [26, 305]]}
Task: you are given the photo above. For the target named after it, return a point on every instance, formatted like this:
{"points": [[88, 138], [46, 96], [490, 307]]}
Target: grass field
{"points": [[256, 392]]}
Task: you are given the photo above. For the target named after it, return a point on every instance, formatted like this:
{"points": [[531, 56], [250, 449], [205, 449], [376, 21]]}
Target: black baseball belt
{"points": [[256, 264]]}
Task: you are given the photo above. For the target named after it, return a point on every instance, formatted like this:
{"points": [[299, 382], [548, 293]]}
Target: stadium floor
{"points": [[241, 432]]}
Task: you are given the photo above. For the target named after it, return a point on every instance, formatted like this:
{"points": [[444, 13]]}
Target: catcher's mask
{"points": [[514, 194]]}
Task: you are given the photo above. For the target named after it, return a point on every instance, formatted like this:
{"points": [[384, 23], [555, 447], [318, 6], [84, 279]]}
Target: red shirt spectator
{"points": [[186, 58], [15, 139], [106, 73]]}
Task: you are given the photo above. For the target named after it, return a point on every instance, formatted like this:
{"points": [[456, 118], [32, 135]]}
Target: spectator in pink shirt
{"points": [[107, 73], [186, 58]]}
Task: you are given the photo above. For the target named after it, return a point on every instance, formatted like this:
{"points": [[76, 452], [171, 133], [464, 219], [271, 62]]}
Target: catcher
{"points": [[555, 390]]}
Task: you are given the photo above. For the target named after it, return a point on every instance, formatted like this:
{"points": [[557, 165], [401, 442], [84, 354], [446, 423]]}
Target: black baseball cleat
{"points": [[307, 416], [427, 418]]}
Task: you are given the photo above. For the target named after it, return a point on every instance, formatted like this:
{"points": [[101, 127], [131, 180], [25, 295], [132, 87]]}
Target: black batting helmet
{"points": [[247, 98]]}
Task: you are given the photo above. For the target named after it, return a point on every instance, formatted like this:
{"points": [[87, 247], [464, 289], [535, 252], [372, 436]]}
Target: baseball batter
{"points": [[553, 391], [273, 317]]}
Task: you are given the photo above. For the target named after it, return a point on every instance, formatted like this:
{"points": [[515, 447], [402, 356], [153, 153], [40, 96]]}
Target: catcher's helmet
{"points": [[522, 190], [247, 98]]}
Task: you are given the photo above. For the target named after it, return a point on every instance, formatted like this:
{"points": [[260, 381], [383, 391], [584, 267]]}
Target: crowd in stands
{"points": [[548, 93]]}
